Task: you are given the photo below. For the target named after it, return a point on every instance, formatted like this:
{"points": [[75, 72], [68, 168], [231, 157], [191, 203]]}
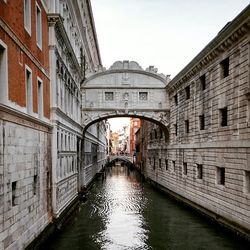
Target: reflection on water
{"points": [[119, 206], [123, 213]]}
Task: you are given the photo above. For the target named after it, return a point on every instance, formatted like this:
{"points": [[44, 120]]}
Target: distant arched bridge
{"points": [[126, 158]]}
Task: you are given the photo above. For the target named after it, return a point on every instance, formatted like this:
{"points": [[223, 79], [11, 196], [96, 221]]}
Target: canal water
{"points": [[124, 213]]}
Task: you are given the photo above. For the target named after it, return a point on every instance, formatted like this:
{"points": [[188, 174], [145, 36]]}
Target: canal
{"points": [[122, 212]]}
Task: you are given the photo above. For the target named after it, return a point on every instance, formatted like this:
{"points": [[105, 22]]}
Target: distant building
{"points": [[135, 124]]}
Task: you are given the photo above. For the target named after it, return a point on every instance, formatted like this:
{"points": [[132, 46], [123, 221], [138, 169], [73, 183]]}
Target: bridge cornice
{"points": [[134, 71]]}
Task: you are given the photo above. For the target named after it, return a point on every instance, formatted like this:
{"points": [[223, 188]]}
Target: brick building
{"points": [[47, 49], [25, 130]]}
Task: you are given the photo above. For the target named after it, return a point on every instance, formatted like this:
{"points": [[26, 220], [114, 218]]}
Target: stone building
{"points": [[25, 129], [204, 156], [47, 49], [74, 54]]}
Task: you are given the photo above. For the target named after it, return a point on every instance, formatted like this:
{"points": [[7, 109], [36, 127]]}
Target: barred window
{"points": [[109, 96], [143, 96]]}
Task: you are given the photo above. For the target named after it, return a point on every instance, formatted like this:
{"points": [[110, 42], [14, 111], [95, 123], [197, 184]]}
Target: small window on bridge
{"points": [[143, 96], [109, 96], [154, 164], [159, 163]]}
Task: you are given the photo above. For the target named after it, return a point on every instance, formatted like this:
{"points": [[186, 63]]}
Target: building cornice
{"points": [[230, 34], [11, 115], [115, 71], [94, 30]]}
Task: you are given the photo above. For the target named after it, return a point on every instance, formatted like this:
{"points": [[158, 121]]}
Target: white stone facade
{"points": [[25, 161], [73, 54]]}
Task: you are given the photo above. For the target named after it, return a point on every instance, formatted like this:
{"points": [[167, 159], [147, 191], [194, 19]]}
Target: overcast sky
{"points": [[164, 33]]}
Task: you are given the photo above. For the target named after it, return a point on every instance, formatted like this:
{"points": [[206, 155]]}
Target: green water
{"points": [[124, 213]]}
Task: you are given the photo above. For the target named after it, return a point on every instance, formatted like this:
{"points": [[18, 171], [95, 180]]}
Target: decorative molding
{"points": [[22, 119], [57, 21]]}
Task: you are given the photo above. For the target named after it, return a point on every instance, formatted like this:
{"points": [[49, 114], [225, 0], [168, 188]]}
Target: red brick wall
{"points": [[12, 14]]}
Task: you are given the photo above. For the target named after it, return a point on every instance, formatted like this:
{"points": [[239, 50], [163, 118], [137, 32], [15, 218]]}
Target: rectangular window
{"points": [[40, 97], [220, 176], [187, 126], [38, 26], [202, 122], [35, 185], [176, 100], [199, 171], [143, 96], [187, 91], [27, 16], [184, 168], [174, 167], [224, 68], [14, 195], [159, 163], [223, 117], [176, 129], [161, 133], [109, 96], [247, 181], [166, 164], [28, 80], [203, 82], [3, 73], [154, 164]]}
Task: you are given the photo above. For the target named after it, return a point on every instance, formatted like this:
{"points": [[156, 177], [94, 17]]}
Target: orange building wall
{"points": [[135, 123], [12, 14]]}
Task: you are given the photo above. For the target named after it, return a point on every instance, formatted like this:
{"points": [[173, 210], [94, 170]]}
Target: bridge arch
{"points": [[125, 90]]}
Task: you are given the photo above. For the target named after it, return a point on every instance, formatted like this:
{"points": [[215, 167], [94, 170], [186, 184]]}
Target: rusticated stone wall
{"points": [[207, 159]]}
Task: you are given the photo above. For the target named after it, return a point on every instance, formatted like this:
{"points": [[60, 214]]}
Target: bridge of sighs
{"points": [[125, 90]]}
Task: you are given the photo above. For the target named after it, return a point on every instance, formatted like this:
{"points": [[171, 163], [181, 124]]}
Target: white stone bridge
{"points": [[125, 158], [125, 90]]}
